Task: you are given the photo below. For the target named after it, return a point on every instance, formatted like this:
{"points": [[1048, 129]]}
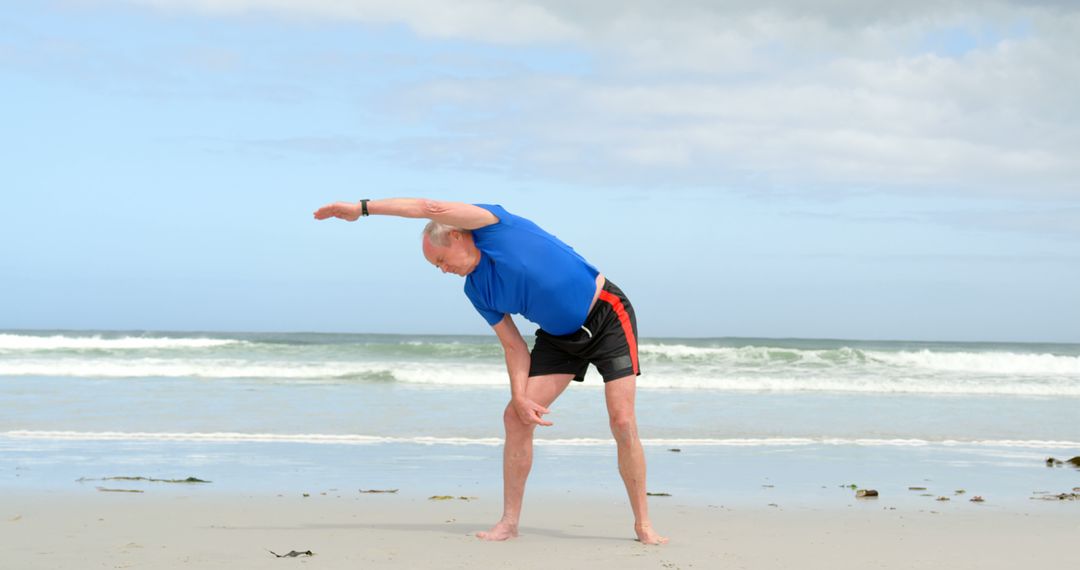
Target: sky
{"points": [[838, 169]]}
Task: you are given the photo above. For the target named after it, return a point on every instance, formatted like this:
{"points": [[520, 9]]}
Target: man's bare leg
{"points": [[517, 453], [620, 404]]}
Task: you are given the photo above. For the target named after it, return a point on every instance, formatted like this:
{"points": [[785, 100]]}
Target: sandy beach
{"points": [[347, 529]]}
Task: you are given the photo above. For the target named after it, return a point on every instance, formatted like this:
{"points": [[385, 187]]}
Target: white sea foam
{"points": [[782, 380], [15, 342], [353, 439], [471, 374], [988, 362], [982, 362], [865, 384], [684, 351], [756, 355]]}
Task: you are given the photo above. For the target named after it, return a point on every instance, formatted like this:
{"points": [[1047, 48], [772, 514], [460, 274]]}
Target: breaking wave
{"points": [[17, 342]]}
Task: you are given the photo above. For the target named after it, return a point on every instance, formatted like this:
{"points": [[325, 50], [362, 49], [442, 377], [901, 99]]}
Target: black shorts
{"points": [[608, 339]]}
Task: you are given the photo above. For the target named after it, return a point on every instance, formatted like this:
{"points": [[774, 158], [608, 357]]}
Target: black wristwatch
{"points": [[363, 207]]}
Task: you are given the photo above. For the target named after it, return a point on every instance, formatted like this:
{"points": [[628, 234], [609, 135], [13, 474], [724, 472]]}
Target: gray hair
{"points": [[439, 234]]}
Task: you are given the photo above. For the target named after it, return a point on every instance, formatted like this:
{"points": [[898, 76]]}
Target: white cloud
{"points": [[840, 94], [484, 20]]}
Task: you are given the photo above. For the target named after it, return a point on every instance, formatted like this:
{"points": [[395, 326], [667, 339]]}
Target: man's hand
{"points": [[347, 211], [529, 412]]}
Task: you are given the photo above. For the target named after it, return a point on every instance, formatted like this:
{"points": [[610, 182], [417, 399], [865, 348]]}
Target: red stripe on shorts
{"points": [[624, 318]]}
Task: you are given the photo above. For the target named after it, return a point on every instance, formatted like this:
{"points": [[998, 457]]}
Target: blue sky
{"points": [[860, 171]]}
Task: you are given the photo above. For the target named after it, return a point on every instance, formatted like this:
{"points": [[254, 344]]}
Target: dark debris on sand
{"points": [[1054, 462], [1058, 497], [292, 553], [151, 479]]}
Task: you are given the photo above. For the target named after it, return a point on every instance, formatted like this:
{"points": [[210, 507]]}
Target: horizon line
{"points": [[478, 335]]}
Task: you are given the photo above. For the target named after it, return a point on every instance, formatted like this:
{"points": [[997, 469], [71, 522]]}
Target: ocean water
{"points": [[374, 388], [114, 398]]}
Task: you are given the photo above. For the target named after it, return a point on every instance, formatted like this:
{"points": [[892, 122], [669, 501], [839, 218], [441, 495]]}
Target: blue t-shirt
{"points": [[527, 271]]}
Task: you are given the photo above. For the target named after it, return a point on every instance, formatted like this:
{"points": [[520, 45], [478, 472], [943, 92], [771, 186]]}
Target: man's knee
{"points": [[623, 425], [509, 415], [513, 423]]}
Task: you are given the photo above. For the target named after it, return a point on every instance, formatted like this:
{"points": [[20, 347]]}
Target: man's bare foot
{"points": [[501, 531], [647, 535]]}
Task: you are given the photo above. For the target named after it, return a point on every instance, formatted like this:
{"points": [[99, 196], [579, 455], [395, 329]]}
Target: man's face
{"points": [[459, 256]]}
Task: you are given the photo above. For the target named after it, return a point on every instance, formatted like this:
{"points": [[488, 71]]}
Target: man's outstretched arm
{"points": [[457, 214], [517, 364]]}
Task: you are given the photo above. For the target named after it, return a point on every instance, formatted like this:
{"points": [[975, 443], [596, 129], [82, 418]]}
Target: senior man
{"points": [[510, 266]]}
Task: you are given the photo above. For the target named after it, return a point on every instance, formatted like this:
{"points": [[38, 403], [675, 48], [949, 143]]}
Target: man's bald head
{"points": [[450, 249]]}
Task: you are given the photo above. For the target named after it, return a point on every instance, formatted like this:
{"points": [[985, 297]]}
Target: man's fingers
{"points": [[335, 210], [533, 418], [540, 411], [531, 414]]}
